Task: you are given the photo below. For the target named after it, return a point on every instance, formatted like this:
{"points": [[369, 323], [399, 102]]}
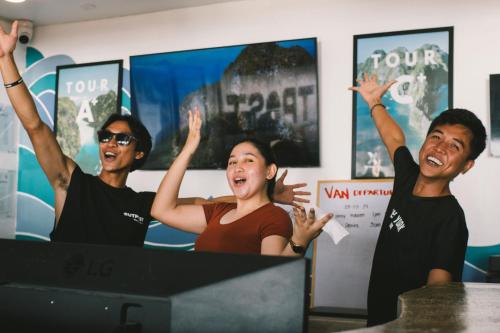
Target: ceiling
{"points": [[46, 12]]}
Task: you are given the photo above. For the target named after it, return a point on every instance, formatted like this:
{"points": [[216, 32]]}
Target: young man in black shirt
{"points": [[424, 235], [95, 209]]}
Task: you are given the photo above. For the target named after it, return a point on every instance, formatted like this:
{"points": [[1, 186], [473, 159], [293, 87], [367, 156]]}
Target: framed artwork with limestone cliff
{"points": [[87, 94], [422, 63]]}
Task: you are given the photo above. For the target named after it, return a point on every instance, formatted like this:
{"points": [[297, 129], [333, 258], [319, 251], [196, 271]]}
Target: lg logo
{"points": [[76, 263]]}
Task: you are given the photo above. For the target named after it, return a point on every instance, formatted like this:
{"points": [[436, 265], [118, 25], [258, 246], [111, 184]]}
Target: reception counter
{"points": [[454, 307]]}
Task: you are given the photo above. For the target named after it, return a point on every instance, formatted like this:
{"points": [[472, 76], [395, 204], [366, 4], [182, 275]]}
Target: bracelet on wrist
{"points": [[13, 84], [374, 106]]}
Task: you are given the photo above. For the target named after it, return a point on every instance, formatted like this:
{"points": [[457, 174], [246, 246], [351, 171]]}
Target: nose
{"points": [[112, 141], [441, 146], [239, 166]]}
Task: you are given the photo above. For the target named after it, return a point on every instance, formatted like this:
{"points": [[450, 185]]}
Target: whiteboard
{"points": [[341, 272]]}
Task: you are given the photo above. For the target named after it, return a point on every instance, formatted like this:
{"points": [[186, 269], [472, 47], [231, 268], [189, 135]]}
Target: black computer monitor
{"points": [[95, 288]]}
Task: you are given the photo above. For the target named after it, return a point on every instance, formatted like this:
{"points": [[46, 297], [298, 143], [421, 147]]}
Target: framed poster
{"points": [[495, 114], [264, 90], [87, 94], [422, 63]]}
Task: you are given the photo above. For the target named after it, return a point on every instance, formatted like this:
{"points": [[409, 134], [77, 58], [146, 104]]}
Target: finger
{"points": [[389, 84], [297, 214], [299, 185], [301, 193], [312, 215], [297, 199], [282, 177], [302, 212], [354, 89], [324, 220], [365, 76], [13, 29]]}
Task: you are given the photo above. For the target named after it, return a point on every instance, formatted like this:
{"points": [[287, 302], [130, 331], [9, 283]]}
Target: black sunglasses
{"points": [[122, 139]]}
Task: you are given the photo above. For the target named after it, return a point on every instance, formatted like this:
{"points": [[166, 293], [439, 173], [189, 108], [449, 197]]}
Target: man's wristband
{"points": [[374, 106], [13, 84]]}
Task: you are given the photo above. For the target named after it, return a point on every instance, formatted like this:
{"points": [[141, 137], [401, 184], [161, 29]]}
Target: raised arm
{"points": [[55, 164], [391, 134], [166, 207]]}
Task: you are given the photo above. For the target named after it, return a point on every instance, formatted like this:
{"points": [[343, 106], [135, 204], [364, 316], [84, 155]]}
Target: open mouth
{"points": [[434, 161], [109, 156], [239, 181]]}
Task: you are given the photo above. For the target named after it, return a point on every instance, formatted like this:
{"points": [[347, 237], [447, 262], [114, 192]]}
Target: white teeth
{"points": [[109, 154], [434, 160], [239, 180]]}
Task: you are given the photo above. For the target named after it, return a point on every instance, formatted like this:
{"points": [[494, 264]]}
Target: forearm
{"points": [[390, 132], [19, 95], [167, 196]]}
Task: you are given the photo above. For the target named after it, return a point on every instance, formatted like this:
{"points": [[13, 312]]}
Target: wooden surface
{"points": [[454, 307]]}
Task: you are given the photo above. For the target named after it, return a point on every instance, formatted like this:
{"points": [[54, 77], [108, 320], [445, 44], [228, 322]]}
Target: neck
{"points": [[115, 179], [425, 187], [245, 206]]}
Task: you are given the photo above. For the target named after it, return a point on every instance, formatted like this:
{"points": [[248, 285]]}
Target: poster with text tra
{"points": [[341, 272], [422, 63]]}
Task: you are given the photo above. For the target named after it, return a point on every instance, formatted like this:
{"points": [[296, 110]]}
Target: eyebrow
{"points": [[232, 156], [462, 143]]}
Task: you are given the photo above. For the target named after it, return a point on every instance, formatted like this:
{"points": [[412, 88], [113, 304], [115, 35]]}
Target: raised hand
{"points": [[370, 90], [194, 135], [306, 226], [287, 194], [8, 41]]}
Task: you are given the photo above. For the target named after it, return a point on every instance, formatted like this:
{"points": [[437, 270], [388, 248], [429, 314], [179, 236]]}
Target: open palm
{"points": [[8, 41], [370, 90]]}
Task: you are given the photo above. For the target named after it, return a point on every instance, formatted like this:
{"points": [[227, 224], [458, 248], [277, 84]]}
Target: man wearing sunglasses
{"points": [[95, 209]]}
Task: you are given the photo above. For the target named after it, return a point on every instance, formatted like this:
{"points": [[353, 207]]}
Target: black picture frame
{"points": [[422, 61], [265, 90], [86, 95]]}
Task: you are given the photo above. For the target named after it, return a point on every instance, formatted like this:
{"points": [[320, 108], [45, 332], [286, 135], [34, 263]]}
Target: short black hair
{"points": [[469, 120], [269, 157], [139, 131]]}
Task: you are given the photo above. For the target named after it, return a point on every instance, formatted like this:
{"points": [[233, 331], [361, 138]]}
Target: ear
{"points": [[271, 171], [139, 155], [468, 165]]}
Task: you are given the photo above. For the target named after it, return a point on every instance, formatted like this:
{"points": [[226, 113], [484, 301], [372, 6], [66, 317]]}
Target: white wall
{"points": [[334, 22]]}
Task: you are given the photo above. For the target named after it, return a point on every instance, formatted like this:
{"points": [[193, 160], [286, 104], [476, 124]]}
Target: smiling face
{"points": [[115, 157], [445, 152], [247, 172]]}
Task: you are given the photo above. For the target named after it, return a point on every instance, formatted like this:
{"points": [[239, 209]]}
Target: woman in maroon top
{"points": [[252, 224]]}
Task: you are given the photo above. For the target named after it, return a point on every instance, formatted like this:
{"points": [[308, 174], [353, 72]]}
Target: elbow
{"points": [[161, 214], [155, 212], [36, 127]]}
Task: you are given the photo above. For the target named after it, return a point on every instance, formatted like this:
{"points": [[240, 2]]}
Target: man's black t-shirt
{"points": [[418, 234], [97, 213]]}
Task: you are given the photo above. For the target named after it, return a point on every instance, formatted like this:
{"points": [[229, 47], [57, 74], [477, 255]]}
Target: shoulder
{"points": [[276, 212], [147, 196], [217, 208], [403, 155], [405, 166]]}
